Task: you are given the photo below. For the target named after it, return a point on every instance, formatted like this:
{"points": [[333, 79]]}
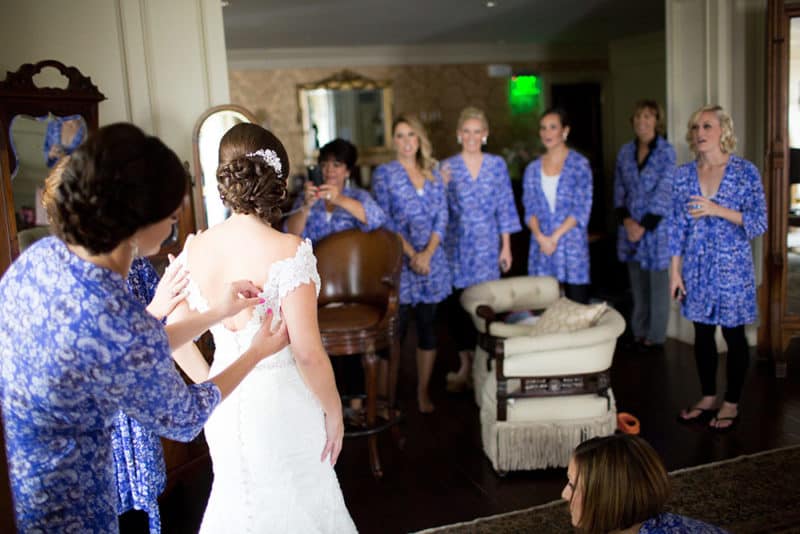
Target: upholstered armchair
{"points": [[543, 386]]}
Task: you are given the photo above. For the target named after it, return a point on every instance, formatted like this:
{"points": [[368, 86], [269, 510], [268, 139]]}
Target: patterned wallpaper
{"points": [[436, 93]]}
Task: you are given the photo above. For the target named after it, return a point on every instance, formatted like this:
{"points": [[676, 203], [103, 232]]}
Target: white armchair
{"points": [[540, 394]]}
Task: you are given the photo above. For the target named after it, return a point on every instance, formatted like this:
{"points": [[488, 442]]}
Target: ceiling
{"points": [[336, 23]]}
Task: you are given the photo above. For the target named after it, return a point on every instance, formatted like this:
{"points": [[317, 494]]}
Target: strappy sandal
{"points": [[704, 416]]}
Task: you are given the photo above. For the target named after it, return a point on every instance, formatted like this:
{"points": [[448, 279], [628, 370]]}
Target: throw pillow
{"points": [[565, 315]]}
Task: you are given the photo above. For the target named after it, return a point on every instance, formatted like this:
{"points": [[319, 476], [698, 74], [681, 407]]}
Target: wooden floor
{"points": [[442, 476]]}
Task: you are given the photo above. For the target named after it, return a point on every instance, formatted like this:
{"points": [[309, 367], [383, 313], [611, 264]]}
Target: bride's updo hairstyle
{"points": [[252, 172], [118, 181]]}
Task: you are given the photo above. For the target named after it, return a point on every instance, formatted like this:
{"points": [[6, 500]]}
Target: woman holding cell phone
{"points": [[335, 204], [718, 207]]}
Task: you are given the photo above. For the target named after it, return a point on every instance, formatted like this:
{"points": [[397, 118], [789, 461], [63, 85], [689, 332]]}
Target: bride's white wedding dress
{"points": [[267, 437]]}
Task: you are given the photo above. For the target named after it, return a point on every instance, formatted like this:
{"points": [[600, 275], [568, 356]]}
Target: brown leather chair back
{"points": [[356, 266]]}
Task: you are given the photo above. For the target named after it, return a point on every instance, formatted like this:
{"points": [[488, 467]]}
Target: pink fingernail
{"points": [[262, 301], [269, 310]]}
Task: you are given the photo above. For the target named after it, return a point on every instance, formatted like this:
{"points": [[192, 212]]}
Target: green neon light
{"points": [[523, 94]]}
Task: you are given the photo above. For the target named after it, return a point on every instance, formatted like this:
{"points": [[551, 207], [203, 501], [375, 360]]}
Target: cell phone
{"points": [[314, 175], [679, 293], [503, 265]]}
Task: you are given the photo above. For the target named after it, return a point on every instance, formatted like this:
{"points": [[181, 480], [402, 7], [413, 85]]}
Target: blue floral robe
{"points": [[481, 209], [318, 225], [667, 523], [646, 196], [415, 217], [570, 262], [717, 260], [138, 456], [76, 348]]}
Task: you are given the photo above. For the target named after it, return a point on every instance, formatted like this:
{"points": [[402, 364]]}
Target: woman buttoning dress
{"points": [[557, 194], [482, 218], [138, 456], [273, 444], [410, 192], [76, 347]]}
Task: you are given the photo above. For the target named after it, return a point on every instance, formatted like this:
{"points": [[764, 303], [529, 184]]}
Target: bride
{"points": [[275, 440]]}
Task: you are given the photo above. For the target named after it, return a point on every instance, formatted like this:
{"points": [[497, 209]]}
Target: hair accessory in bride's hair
{"points": [[270, 157]]}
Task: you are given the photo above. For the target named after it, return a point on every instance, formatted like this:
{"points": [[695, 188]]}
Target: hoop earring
{"points": [[484, 139], [134, 248], [564, 137], [347, 182], [458, 139]]}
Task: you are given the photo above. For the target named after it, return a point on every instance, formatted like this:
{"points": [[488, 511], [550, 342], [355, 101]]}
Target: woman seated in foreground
{"points": [[618, 484]]}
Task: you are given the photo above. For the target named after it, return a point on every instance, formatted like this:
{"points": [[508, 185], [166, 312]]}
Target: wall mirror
{"points": [[208, 132], [349, 106], [46, 110]]}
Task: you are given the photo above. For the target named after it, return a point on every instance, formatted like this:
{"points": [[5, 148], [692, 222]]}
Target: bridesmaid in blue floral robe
{"points": [[563, 226], [643, 203], [410, 192], [138, 456], [75, 347], [335, 205], [718, 208], [483, 216]]}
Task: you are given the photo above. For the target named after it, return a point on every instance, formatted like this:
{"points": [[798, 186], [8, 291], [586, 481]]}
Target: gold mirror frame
{"points": [[347, 80]]}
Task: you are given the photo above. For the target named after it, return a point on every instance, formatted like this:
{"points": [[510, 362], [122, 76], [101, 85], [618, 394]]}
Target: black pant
{"points": [[462, 329], [577, 292], [424, 316], [706, 357]]}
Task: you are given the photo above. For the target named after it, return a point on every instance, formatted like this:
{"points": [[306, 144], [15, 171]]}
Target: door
{"points": [[779, 301]]}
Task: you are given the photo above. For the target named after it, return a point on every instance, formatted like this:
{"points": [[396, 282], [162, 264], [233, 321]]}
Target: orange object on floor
{"points": [[627, 423]]}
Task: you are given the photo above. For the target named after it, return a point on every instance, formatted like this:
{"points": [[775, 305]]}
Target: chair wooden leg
{"points": [[371, 386], [394, 371]]}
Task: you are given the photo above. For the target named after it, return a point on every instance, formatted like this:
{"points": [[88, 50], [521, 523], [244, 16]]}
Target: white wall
{"points": [[716, 53], [160, 64]]}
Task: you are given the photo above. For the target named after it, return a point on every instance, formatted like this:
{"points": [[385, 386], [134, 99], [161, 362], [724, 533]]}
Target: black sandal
{"points": [[704, 416], [722, 429]]}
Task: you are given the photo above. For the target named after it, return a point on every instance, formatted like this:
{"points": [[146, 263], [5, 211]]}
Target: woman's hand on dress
{"points": [[239, 296], [334, 432], [266, 342], [633, 230], [170, 291], [700, 206]]}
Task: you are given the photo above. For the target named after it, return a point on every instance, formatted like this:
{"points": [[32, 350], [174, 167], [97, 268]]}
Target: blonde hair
{"points": [[471, 112], [727, 143], [623, 482], [425, 160], [51, 184], [657, 110]]}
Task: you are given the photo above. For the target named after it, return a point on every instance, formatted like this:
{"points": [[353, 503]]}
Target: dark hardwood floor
{"points": [[442, 476]]}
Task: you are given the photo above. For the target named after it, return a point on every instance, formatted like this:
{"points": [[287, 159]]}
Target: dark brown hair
{"points": [[623, 482], [118, 181], [653, 106], [248, 183], [339, 150]]}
